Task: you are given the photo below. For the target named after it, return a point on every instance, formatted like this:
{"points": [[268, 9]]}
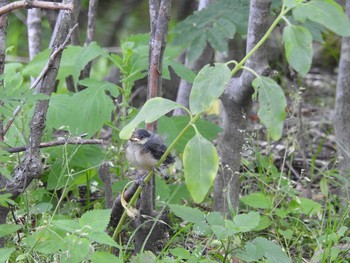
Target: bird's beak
{"points": [[134, 139]]}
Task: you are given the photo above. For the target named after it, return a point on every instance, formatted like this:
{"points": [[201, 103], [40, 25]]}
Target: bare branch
{"points": [[105, 176], [37, 4], [57, 143]]}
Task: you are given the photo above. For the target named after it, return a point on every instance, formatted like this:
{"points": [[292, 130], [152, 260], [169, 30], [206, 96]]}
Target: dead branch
{"points": [[58, 143], [37, 4]]}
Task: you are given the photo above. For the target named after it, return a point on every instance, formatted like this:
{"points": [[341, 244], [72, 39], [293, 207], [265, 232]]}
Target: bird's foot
{"points": [[141, 179], [165, 176]]}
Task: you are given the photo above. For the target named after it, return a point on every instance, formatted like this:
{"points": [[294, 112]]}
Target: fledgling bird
{"points": [[144, 149]]}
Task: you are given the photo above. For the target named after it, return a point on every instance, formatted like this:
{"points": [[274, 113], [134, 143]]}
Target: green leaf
{"points": [[182, 71], [325, 12], [257, 200], [150, 112], [5, 254], [215, 218], [77, 249], [103, 238], [247, 222], [84, 112], [309, 206], [66, 225], [103, 256], [201, 162], [96, 219], [180, 253], [298, 48], [92, 51], [170, 128], [208, 86], [145, 257], [35, 66], [196, 47], [324, 186], [272, 252], [46, 241], [189, 214], [105, 85], [5, 200], [7, 229], [272, 104]]}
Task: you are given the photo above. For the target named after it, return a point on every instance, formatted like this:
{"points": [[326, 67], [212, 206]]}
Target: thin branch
{"points": [[37, 4], [57, 143], [41, 75]]}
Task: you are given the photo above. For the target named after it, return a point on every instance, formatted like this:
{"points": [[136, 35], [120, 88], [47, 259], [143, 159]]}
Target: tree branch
{"points": [[57, 143], [37, 4]]}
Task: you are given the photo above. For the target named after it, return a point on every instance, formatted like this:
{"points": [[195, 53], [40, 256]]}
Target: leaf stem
{"points": [[262, 40]]}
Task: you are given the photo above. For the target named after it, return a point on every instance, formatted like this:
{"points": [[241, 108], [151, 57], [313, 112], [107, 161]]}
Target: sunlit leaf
{"points": [[208, 85], [201, 164], [298, 47]]}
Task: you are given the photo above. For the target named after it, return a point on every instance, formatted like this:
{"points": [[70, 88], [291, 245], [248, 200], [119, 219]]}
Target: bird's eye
{"points": [[141, 137]]}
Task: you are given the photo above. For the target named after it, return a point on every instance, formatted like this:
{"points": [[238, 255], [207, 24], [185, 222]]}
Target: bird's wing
{"points": [[156, 147]]}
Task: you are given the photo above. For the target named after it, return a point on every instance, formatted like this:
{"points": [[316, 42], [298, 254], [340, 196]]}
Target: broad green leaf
{"points": [[298, 47], [83, 112], [247, 222], [102, 237], [5, 200], [208, 86], [77, 249], [5, 254], [66, 225], [196, 47], [34, 67], [193, 215], [251, 253], [272, 252], [324, 186], [215, 218], [96, 219], [103, 256], [7, 229], [272, 104], [145, 257], [201, 162], [105, 85], [183, 72], [309, 206], [152, 110], [325, 12], [87, 54], [46, 241], [257, 200], [180, 253], [216, 40]]}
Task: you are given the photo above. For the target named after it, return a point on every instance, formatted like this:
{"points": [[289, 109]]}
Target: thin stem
{"points": [[149, 176], [262, 40]]}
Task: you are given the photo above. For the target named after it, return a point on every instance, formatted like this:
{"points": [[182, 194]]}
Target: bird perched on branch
{"points": [[144, 149]]}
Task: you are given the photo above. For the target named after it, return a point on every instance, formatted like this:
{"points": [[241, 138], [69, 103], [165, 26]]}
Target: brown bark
{"points": [[236, 102], [31, 4], [342, 114]]}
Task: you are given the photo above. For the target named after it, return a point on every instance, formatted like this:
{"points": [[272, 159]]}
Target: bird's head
{"points": [[140, 136]]}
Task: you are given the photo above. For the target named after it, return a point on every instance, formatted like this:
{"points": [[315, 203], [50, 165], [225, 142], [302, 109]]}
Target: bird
{"points": [[144, 149]]}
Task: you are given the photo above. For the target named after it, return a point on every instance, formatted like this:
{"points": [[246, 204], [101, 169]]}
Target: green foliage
{"points": [[83, 112], [272, 104], [148, 114], [5, 253], [208, 86], [7, 229], [298, 48], [325, 12], [201, 163], [215, 24]]}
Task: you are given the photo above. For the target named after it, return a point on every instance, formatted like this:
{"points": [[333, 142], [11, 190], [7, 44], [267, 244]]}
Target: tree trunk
{"points": [[342, 113], [236, 102]]}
